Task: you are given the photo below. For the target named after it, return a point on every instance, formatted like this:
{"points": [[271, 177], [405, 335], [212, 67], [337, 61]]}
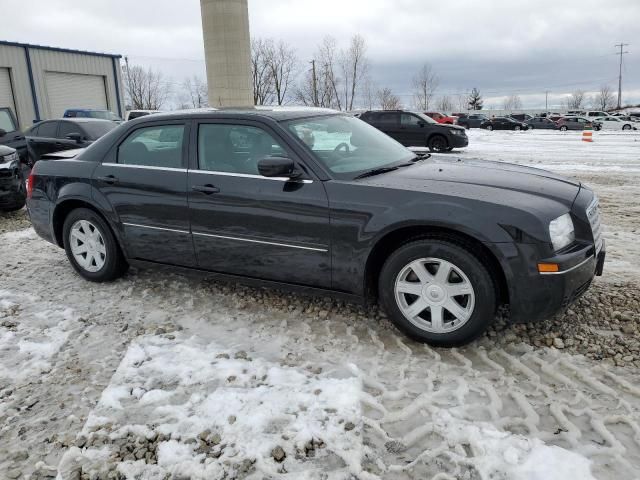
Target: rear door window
{"points": [[387, 119], [67, 128], [48, 129], [408, 120], [157, 146]]}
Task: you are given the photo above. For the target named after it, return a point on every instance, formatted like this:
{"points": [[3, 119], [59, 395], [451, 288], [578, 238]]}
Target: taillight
{"points": [[31, 181]]}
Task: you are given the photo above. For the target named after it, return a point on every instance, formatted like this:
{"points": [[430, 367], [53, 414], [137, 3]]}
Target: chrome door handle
{"points": [[207, 189]]}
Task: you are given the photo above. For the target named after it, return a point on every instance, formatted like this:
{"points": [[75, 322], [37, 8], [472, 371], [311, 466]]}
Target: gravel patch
{"points": [[12, 221]]}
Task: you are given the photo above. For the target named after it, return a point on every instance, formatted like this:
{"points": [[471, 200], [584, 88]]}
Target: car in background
{"points": [[441, 117], [10, 134], [320, 201], [521, 117], [65, 134], [12, 185], [542, 123], [593, 114], [133, 114], [503, 123], [471, 120], [615, 123], [555, 116], [629, 118], [571, 122], [91, 113], [414, 129]]}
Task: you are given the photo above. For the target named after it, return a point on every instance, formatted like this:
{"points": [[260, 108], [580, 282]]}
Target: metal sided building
{"points": [[40, 83]]}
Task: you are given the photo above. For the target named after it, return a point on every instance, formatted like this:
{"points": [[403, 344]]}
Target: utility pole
{"points": [[621, 45], [546, 101], [126, 61], [315, 83]]}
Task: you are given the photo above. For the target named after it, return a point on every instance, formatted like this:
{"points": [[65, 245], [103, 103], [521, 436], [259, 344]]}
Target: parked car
{"points": [[592, 114], [441, 117], [521, 117], [133, 114], [555, 116], [12, 185], [318, 200], [576, 123], [503, 123], [91, 113], [71, 133], [414, 129], [10, 134], [472, 120], [542, 123], [615, 123]]}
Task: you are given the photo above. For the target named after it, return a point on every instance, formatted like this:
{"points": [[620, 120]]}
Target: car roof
{"points": [[76, 120], [277, 113], [87, 110]]}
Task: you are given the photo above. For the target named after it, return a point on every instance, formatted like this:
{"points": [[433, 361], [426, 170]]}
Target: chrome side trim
{"points": [[146, 167], [249, 175], [567, 270], [261, 242], [155, 228]]}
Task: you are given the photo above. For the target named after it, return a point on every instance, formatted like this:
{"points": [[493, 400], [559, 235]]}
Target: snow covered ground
{"points": [[161, 376]]}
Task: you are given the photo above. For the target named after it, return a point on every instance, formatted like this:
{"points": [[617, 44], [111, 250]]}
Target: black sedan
{"points": [[65, 134], [12, 188], [321, 201], [542, 123], [503, 123]]}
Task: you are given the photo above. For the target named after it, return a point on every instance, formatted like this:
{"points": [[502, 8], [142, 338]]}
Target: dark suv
{"points": [[321, 201], [413, 129]]}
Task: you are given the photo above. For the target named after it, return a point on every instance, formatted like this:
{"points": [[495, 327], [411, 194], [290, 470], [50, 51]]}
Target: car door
{"points": [[389, 123], [12, 137], [144, 181], [412, 130], [42, 139], [246, 224]]}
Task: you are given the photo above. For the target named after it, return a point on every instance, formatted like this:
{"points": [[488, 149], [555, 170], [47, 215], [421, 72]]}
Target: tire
{"points": [[449, 149], [490, 128], [437, 143], [626, 127], [517, 128], [476, 309], [563, 128], [531, 127], [111, 264]]}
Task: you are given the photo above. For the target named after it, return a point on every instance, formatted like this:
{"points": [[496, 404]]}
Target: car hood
{"points": [[448, 126], [482, 173], [4, 150]]}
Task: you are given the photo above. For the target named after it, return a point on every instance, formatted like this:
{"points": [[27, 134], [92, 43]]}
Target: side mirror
{"points": [[2, 132], [75, 137], [277, 167]]}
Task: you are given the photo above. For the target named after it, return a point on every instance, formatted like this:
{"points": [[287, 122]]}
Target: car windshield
{"points": [[104, 115], [98, 129], [347, 146]]}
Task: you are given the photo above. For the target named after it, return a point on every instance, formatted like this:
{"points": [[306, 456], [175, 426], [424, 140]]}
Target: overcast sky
{"points": [[501, 47]]}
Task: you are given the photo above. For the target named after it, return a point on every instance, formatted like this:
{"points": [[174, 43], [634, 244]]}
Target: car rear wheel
{"points": [[490, 127], [563, 128], [437, 292], [438, 143], [517, 128], [626, 127], [91, 247]]}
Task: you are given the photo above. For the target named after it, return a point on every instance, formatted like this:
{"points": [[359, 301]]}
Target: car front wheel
{"points": [[91, 247], [437, 292], [626, 127], [438, 143], [490, 127], [563, 128]]}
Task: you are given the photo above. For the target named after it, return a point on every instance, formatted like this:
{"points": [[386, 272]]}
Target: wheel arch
{"points": [[397, 237]]}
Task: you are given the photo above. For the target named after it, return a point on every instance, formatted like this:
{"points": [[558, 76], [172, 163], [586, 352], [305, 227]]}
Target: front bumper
{"points": [[458, 141], [537, 296]]}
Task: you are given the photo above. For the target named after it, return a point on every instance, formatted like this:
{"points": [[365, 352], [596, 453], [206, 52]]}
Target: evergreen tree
{"points": [[475, 100]]}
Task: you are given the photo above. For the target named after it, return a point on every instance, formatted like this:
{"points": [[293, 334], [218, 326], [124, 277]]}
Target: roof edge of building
{"points": [[58, 49]]}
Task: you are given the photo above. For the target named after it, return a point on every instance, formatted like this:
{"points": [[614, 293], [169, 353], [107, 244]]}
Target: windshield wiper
{"points": [[378, 171], [420, 156]]}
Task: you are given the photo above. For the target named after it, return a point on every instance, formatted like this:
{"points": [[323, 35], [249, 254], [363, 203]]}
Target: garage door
{"points": [[71, 90], [6, 93]]}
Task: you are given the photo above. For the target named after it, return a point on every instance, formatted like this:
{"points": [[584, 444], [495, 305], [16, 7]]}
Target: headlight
{"points": [[562, 232], [7, 160], [455, 131]]}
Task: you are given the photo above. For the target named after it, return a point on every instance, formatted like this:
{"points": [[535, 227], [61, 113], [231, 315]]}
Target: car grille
{"points": [[593, 214]]}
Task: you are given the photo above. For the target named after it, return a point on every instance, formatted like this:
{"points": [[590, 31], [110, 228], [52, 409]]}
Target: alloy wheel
{"points": [[434, 295], [87, 246]]}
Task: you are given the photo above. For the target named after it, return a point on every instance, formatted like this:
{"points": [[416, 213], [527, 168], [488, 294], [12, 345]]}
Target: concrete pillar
{"points": [[227, 48]]}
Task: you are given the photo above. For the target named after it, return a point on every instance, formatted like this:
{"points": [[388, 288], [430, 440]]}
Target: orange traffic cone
{"points": [[587, 135]]}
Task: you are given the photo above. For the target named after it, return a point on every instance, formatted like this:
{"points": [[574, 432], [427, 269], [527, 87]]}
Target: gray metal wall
{"points": [[44, 60]]}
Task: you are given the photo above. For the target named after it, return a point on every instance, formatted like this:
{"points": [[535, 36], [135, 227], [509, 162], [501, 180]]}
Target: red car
{"points": [[441, 117]]}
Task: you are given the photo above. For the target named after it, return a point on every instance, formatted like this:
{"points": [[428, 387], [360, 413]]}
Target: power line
{"points": [[621, 45]]}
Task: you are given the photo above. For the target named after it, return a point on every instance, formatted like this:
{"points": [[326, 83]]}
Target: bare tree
{"points": [[425, 84], [368, 93], [444, 104], [146, 89], [576, 99], [387, 99], [195, 93], [282, 63], [604, 99], [261, 72], [512, 102], [353, 66], [319, 86]]}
